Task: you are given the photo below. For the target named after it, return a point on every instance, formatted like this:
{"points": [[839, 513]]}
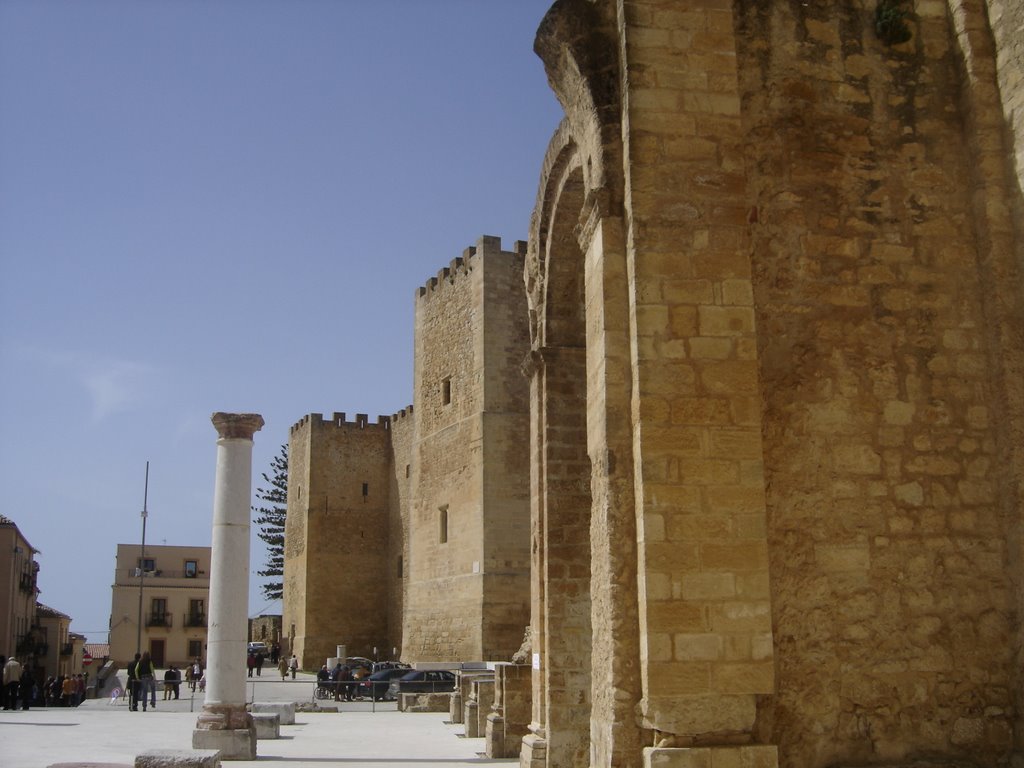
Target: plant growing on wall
{"points": [[891, 21], [271, 520]]}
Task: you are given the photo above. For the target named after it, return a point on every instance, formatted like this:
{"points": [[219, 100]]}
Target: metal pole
{"points": [[142, 560]]}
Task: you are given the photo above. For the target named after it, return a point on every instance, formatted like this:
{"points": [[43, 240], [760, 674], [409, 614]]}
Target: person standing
{"points": [[27, 683], [176, 682], [133, 683], [259, 663], [12, 681], [146, 673], [168, 682], [250, 662], [282, 667], [293, 665]]}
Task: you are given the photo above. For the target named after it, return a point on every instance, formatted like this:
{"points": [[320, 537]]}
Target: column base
{"points": [[228, 728], [534, 753], [750, 756]]}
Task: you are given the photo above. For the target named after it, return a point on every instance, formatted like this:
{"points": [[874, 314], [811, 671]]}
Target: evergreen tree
{"points": [[271, 520]]}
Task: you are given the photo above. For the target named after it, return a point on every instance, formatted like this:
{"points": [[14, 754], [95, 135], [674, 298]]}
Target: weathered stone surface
{"points": [[178, 758], [285, 710], [267, 724]]}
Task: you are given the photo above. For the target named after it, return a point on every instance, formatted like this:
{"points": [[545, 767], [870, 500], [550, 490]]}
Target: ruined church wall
{"points": [[888, 517], [1006, 18], [339, 578]]}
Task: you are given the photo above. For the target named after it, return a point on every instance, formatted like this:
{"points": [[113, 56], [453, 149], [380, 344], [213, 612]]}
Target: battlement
{"points": [[402, 414], [487, 245], [362, 421]]}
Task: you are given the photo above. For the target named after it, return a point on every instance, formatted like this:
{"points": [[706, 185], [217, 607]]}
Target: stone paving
{"points": [[360, 735]]}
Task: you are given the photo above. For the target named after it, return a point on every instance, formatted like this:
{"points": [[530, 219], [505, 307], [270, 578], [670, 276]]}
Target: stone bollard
{"points": [[472, 728], [456, 707]]}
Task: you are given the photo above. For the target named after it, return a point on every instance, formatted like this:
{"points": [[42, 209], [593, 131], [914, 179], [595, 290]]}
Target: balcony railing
{"points": [[67, 649], [133, 575], [158, 620], [27, 582], [195, 619]]}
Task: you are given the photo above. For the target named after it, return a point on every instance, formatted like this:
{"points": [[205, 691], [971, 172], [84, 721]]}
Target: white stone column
{"points": [[224, 723]]}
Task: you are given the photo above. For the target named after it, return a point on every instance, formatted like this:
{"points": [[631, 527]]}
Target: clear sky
{"points": [[215, 205]]}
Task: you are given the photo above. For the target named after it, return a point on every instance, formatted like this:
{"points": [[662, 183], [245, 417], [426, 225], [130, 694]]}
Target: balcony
{"points": [[158, 620], [195, 619], [134, 575], [67, 649], [27, 582]]}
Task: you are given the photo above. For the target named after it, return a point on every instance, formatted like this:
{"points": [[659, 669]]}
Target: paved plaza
{"points": [[360, 735]]}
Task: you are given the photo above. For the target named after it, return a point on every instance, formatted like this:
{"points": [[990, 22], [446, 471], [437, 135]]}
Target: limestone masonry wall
{"points": [[344, 581], [891, 590]]}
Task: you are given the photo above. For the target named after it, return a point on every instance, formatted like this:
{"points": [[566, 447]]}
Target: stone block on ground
{"points": [[178, 758], [268, 725], [236, 744], [284, 709]]}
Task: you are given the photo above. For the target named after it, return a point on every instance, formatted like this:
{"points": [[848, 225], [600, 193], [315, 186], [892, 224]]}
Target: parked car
{"points": [[379, 683], [258, 647], [423, 681]]}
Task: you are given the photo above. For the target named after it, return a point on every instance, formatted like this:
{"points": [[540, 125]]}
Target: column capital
{"points": [[237, 425]]}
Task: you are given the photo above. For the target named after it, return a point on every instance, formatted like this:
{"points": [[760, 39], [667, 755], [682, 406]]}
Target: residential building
{"points": [[18, 574], [62, 649], [159, 603]]}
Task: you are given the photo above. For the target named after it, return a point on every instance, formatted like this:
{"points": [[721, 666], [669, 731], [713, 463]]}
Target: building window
{"points": [[442, 527], [399, 566], [406, 470], [446, 390], [191, 569], [158, 616], [366, 490], [196, 613], [147, 564], [195, 649]]}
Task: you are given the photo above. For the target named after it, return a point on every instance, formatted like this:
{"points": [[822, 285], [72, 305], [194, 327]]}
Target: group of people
{"points": [[343, 679], [142, 681], [21, 687], [19, 684], [64, 690]]}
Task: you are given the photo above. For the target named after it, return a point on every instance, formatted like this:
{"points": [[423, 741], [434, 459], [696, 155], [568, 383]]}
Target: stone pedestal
{"points": [[224, 723]]}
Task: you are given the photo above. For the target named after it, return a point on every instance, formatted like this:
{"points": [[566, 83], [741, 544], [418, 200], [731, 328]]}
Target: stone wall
{"points": [[468, 524], [888, 549], [822, 259], [337, 584], [402, 432]]}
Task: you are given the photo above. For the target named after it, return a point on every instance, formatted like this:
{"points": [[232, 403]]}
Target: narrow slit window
{"points": [[399, 566], [366, 490], [442, 524], [446, 390]]}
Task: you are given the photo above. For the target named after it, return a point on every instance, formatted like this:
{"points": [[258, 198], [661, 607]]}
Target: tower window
{"points": [[366, 490], [446, 390], [442, 524]]}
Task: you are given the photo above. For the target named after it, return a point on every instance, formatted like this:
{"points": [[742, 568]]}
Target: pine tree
{"points": [[271, 520]]}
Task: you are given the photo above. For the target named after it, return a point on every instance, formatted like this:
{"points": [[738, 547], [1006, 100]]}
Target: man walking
{"points": [[12, 679]]}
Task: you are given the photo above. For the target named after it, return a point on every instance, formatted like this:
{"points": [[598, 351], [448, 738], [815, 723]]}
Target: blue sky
{"points": [[222, 205]]}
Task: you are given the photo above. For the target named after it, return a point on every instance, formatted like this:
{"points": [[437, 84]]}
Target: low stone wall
{"points": [[424, 702]]}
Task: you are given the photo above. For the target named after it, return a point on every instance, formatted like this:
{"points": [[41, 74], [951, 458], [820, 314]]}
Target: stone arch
{"points": [[584, 546]]}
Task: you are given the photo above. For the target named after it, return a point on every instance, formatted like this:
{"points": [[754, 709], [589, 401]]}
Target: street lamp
{"points": [[142, 560]]}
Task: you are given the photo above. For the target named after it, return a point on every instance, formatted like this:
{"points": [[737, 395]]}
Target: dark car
{"points": [[423, 681], [379, 683]]}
